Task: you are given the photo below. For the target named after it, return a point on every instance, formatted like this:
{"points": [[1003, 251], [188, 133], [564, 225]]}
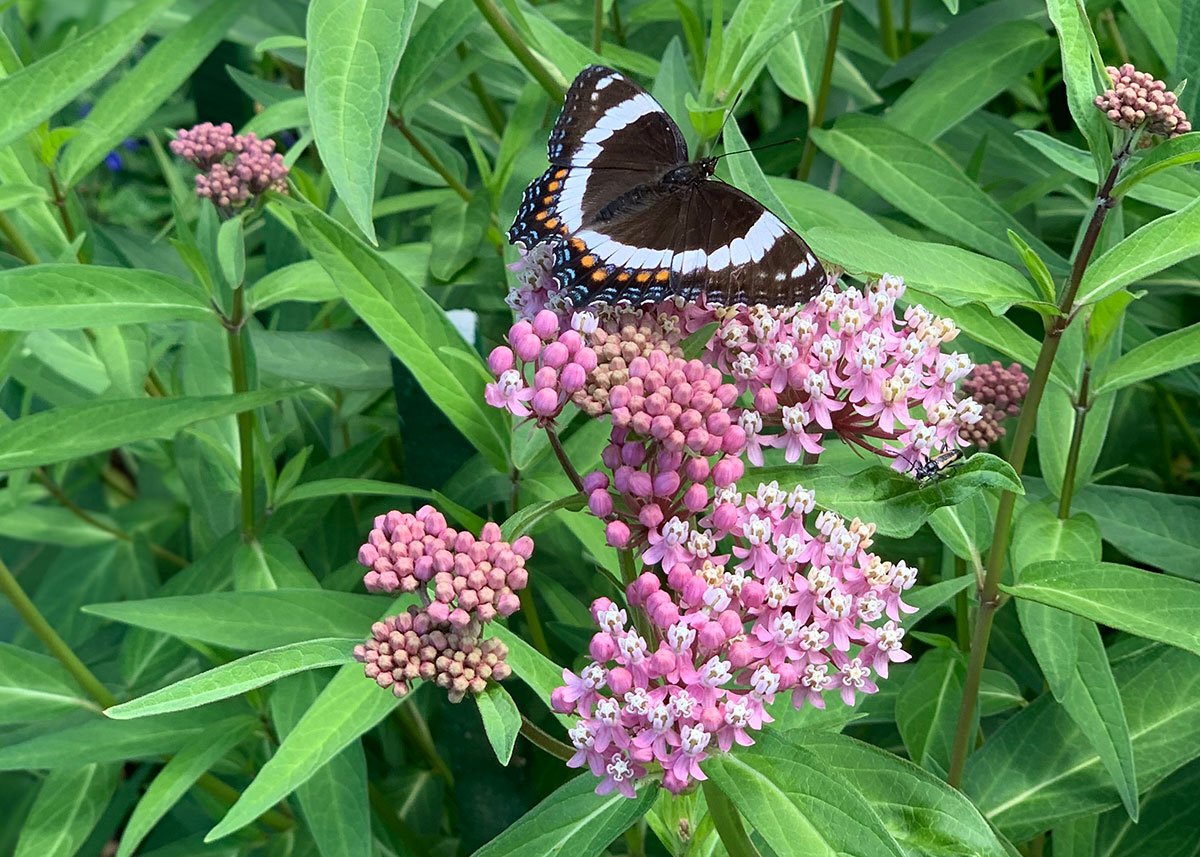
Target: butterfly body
{"points": [[634, 221]]}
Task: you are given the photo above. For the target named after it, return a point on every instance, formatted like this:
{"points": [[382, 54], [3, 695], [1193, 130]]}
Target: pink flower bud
{"points": [[572, 378], [661, 662], [752, 594], [711, 719], [765, 401], [545, 325], [731, 622], [500, 360], [517, 579], [618, 396], [711, 635], [654, 600], [718, 423], [725, 517], [507, 603], [697, 469], [527, 347], [491, 533], [600, 503], [439, 612], [555, 355], [693, 591], [545, 402], [740, 653], [728, 471], [678, 576], [616, 534], [640, 484], [666, 615], [586, 358], [695, 499], [646, 585], [523, 547], [734, 440], [602, 647], [788, 675], [558, 701], [595, 481], [367, 554], [651, 515], [545, 378], [666, 484], [619, 681], [459, 618]]}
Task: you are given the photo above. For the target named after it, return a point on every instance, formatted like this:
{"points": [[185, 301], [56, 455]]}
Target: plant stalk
{"points": [[818, 113], [54, 644], [429, 157], [561, 455], [491, 109], [989, 596], [543, 740], [962, 618], [727, 822], [245, 419], [887, 29], [16, 240], [597, 26], [513, 41], [1082, 406]]}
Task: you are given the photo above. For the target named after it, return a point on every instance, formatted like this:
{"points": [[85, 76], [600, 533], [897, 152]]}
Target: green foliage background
{"points": [[183, 499]]}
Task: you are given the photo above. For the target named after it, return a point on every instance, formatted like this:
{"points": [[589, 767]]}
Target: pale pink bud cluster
{"points": [[999, 392], [794, 602], [557, 359], [413, 645], [622, 335], [473, 578], [845, 363], [1136, 100], [672, 435], [254, 168]]}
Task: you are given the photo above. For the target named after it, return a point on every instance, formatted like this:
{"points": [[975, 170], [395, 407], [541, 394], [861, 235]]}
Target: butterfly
{"points": [[632, 221]]}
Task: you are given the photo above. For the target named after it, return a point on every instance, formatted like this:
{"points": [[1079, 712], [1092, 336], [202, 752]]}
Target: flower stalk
{"points": [[245, 419], [989, 595], [544, 741], [16, 240], [727, 822], [1082, 406], [818, 113], [513, 41]]}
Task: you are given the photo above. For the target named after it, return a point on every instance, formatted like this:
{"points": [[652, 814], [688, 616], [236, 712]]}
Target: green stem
{"points": [[428, 156], [20, 246], [561, 455], [60, 202], [989, 596], [962, 623], [908, 40], [818, 113], [417, 729], [512, 40], [56, 645], [728, 823], [529, 609], [245, 419], [91, 520], [543, 740], [491, 109], [618, 29], [887, 29], [227, 794], [1082, 406], [597, 25]]}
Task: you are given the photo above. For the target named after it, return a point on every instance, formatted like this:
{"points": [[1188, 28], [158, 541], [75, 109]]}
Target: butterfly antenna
{"points": [[729, 115], [759, 148]]}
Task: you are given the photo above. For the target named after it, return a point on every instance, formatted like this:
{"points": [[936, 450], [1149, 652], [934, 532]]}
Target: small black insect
{"points": [[926, 469]]}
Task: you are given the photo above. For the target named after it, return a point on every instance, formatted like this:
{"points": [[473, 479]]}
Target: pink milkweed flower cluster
{"points": [[672, 434], [254, 168], [463, 582], [1138, 100], [847, 363], [536, 289], [795, 603], [553, 356], [999, 392]]}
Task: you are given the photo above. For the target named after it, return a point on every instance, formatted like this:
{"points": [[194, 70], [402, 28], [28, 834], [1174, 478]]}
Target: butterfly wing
{"points": [[706, 240], [610, 137]]}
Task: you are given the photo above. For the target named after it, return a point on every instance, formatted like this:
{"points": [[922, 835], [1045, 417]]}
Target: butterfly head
{"points": [[696, 171]]}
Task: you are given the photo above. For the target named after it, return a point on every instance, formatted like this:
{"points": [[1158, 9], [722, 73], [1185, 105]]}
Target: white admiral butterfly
{"points": [[632, 220]]}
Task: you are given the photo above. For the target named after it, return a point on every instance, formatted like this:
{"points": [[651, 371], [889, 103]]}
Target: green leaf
{"points": [[1035, 266], [339, 487], [1157, 245], [334, 800], [1161, 355], [526, 519], [967, 76], [348, 706], [797, 803], [99, 739], [273, 563], [1039, 768], [1178, 151], [932, 819], [501, 720], [927, 708], [180, 774], [1158, 529], [240, 676], [573, 821], [38, 91], [354, 49], [71, 297], [1155, 606], [952, 274], [456, 231], [35, 687], [125, 106], [15, 195], [1078, 46], [540, 673], [68, 805], [300, 281], [349, 359], [76, 431], [927, 185], [966, 528], [893, 501], [928, 598], [251, 621], [1168, 825], [412, 325]]}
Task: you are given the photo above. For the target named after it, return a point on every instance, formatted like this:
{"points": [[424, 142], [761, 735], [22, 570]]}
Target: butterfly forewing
{"points": [[632, 222]]}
